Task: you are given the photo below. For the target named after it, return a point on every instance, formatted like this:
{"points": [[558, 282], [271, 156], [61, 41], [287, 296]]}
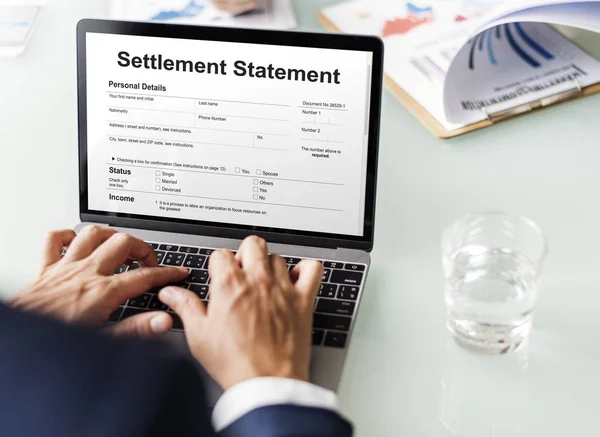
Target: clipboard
{"points": [[492, 118]]}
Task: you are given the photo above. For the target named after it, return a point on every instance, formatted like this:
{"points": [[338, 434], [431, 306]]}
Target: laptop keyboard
{"points": [[334, 307]]}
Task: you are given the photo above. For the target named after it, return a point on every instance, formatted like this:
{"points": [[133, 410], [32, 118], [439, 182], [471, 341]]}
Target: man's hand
{"points": [[81, 286], [259, 321], [235, 7]]}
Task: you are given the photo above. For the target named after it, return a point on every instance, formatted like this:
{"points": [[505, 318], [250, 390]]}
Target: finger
{"points": [[223, 266], [308, 274], [186, 304], [121, 247], [254, 258], [135, 282], [280, 271], [88, 240], [146, 325], [54, 244]]}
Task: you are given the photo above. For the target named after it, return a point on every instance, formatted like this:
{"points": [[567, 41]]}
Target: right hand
{"points": [[235, 7], [259, 321]]}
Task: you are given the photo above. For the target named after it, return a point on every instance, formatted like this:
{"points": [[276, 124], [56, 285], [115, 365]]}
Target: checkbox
{"points": [[237, 169], [158, 188], [157, 173], [256, 189], [158, 180], [255, 181], [258, 172], [256, 197]]}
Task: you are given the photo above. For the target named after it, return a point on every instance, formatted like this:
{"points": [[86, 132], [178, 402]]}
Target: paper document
{"points": [[17, 22], [270, 14], [458, 57]]}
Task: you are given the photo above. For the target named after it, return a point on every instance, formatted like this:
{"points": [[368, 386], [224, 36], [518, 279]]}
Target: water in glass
{"points": [[490, 294]]}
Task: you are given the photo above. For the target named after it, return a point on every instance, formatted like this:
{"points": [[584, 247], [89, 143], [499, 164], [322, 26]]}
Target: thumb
{"points": [[186, 304], [145, 326]]}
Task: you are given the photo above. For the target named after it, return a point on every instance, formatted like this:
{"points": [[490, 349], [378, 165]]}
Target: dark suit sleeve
{"points": [[61, 381], [289, 421], [65, 381]]}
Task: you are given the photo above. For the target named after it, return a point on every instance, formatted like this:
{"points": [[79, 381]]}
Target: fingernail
{"points": [[160, 324], [168, 295]]}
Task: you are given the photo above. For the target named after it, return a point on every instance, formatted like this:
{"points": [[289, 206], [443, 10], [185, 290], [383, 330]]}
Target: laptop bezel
{"points": [[299, 39]]}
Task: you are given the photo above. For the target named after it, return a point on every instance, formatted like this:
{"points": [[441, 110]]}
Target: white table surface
{"points": [[403, 377]]}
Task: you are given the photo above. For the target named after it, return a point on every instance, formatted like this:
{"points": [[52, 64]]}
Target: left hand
{"points": [[81, 287]]}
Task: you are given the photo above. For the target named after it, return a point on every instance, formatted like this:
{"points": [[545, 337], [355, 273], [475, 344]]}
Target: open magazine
{"points": [[463, 60]]}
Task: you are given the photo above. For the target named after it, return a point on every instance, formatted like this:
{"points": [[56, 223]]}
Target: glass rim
{"points": [[499, 214]]}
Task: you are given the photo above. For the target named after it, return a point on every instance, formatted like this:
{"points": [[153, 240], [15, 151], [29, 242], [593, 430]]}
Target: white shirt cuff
{"points": [[255, 393]]}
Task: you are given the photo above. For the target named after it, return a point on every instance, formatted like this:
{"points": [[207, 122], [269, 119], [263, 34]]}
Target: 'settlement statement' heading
{"points": [[240, 68]]}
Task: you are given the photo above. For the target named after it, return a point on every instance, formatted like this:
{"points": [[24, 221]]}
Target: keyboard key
{"points": [[121, 269], [206, 251], [198, 276], [134, 265], [154, 245], [157, 305], [347, 292], [355, 267], [333, 265], [291, 261], [173, 259], [116, 315], [335, 339], [130, 312], [177, 323], [327, 290], [194, 261], [140, 301], [169, 247], [346, 277], [317, 337], [188, 249], [200, 290], [326, 275], [326, 321], [335, 307], [160, 256]]}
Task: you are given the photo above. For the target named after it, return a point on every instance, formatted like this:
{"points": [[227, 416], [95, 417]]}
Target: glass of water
{"points": [[492, 265]]}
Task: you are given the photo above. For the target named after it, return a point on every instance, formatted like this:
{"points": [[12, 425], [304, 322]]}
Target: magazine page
{"points": [[421, 39], [584, 16], [565, 12], [514, 64]]}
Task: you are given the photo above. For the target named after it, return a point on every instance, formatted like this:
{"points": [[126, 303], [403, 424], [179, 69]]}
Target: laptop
{"points": [[192, 138]]}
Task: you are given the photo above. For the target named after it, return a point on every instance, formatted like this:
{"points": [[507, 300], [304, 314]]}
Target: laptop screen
{"points": [[266, 136]]}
